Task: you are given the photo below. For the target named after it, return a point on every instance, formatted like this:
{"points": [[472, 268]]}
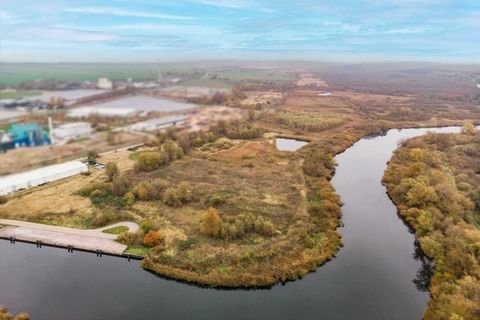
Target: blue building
{"points": [[28, 135]]}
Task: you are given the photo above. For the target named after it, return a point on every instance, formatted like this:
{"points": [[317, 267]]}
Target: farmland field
{"points": [[18, 94], [14, 73]]}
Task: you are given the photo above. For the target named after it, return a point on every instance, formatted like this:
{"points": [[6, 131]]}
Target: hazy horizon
{"points": [[388, 31]]}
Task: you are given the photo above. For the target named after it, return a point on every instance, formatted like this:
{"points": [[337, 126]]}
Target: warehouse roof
{"points": [[25, 177], [108, 112], [73, 125]]}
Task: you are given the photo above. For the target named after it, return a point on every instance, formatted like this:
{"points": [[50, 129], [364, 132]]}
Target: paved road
{"points": [[98, 233], [93, 239]]}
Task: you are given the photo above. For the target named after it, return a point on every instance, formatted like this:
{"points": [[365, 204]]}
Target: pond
{"points": [[379, 274], [292, 145]]}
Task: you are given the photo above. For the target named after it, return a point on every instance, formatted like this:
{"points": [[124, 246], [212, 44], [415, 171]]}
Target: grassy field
{"points": [[14, 73], [256, 74], [241, 181], [57, 203], [18, 94]]}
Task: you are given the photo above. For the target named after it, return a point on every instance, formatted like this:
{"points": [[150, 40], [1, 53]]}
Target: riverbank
{"points": [[304, 235], [273, 227], [433, 182], [364, 271]]}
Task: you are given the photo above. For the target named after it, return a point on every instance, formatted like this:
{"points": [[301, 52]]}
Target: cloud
{"points": [[8, 18], [230, 4], [168, 28], [125, 13], [59, 33]]}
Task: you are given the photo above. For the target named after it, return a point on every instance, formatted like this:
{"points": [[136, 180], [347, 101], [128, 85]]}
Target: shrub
{"points": [[158, 187], [185, 143], [120, 185], [112, 170], [469, 128], [106, 198], [211, 223], [177, 196], [5, 315], [153, 239], [92, 156], [147, 226], [127, 238], [144, 191], [170, 198], [103, 218], [3, 199], [129, 198], [183, 192], [263, 227], [149, 161], [173, 151]]}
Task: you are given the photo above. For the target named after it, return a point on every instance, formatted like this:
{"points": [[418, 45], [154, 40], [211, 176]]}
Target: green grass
{"points": [[210, 83], [14, 73], [256, 75], [137, 250], [117, 230], [18, 94]]}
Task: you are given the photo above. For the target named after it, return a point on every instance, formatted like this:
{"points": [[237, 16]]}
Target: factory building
{"points": [[69, 131], [85, 112], [104, 83], [28, 135], [21, 181], [159, 123]]}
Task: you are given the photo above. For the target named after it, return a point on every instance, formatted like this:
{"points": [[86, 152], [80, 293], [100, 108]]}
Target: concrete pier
{"points": [[85, 240]]}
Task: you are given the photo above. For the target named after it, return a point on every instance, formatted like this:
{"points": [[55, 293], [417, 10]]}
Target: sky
{"points": [[166, 30]]}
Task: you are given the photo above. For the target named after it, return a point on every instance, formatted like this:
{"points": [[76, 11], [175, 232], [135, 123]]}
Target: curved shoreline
{"points": [[292, 271]]}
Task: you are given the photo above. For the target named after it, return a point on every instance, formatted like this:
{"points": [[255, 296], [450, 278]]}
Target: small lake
{"points": [[378, 274], [289, 144]]}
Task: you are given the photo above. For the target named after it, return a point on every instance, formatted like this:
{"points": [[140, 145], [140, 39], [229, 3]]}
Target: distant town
{"points": [[101, 116]]}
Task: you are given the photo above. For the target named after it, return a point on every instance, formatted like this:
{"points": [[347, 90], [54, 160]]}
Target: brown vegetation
{"points": [[433, 181], [5, 315], [227, 216]]}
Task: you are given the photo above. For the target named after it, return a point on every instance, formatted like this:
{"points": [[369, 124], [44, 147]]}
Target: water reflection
{"points": [[424, 274]]}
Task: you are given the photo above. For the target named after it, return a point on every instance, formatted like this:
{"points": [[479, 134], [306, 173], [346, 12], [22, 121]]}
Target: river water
{"points": [[291, 145], [372, 277]]}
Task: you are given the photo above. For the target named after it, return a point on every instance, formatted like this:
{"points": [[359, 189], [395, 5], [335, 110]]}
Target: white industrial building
{"points": [[104, 83], [159, 123], [74, 130], [17, 182], [85, 112]]}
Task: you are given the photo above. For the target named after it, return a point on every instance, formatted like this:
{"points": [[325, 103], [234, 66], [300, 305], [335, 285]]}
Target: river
{"points": [[371, 278]]}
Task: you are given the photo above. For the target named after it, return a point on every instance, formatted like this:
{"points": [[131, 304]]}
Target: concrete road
{"points": [[94, 239]]}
